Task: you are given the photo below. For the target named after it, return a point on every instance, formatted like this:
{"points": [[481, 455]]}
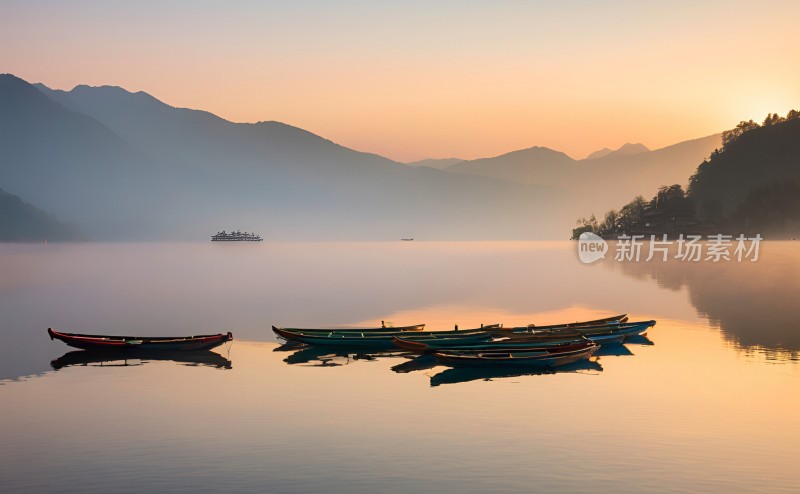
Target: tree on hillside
{"points": [[730, 136], [772, 119], [584, 226], [752, 186]]}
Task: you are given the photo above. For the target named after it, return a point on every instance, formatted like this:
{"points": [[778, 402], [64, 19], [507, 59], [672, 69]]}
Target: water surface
{"points": [[707, 402]]}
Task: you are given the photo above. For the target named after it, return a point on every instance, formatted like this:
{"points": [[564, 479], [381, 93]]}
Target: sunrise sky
{"points": [[416, 79]]}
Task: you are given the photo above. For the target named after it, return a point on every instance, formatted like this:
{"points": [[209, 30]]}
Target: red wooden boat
{"points": [[168, 343]]}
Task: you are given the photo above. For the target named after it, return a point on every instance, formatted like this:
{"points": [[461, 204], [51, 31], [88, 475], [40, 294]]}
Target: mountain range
{"points": [[23, 222], [595, 184], [124, 166]]}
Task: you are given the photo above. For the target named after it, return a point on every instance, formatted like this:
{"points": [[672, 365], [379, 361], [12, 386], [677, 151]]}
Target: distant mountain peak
{"points": [[599, 153], [536, 152], [627, 149], [439, 163]]}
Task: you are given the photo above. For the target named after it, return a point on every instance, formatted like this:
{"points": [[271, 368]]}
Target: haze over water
{"points": [[706, 403]]}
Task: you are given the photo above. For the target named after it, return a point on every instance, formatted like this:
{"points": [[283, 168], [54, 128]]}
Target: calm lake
{"points": [[709, 401]]}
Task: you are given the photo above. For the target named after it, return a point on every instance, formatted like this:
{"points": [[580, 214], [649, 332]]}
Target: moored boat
{"points": [[164, 343], [596, 322], [373, 339], [518, 346], [626, 329], [537, 358], [421, 345], [337, 338], [379, 329]]}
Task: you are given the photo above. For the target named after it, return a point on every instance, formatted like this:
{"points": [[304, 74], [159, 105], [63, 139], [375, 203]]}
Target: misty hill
{"points": [[600, 183], [22, 222], [70, 164], [749, 185], [435, 163], [626, 150], [126, 165], [536, 165]]}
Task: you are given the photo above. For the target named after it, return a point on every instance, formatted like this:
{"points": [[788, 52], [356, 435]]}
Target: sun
{"points": [[757, 106]]}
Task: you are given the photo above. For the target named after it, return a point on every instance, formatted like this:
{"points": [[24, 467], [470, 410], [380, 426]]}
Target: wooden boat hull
{"points": [[607, 339], [514, 358], [397, 329], [627, 329], [596, 322], [485, 331], [423, 345], [345, 339], [138, 343], [617, 335], [366, 339], [515, 346]]}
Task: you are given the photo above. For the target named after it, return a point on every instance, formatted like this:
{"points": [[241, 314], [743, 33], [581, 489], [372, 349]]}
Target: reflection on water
{"points": [[682, 415], [416, 363], [321, 356], [327, 356], [754, 304], [184, 289], [678, 411], [107, 358], [463, 375]]}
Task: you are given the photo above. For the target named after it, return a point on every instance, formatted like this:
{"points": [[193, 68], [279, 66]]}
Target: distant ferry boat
{"points": [[236, 236]]}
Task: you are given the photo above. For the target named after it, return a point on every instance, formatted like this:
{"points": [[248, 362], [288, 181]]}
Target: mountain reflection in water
{"points": [[754, 304]]}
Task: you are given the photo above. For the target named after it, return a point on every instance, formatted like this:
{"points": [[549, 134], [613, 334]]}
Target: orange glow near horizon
{"points": [[415, 81]]}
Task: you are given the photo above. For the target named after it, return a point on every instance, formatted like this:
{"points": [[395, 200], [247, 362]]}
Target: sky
{"points": [[430, 79]]}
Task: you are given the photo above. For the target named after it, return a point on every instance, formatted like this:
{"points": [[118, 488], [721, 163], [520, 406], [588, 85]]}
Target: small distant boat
{"points": [[136, 343], [406, 239], [236, 236]]}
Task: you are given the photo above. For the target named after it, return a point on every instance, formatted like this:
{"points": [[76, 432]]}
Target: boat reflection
{"points": [[466, 374], [290, 346], [613, 351], [421, 362], [639, 339], [108, 358], [328, 357]]}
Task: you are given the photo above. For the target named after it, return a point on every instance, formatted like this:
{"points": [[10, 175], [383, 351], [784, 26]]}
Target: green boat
{"points": [[366, 338]]}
